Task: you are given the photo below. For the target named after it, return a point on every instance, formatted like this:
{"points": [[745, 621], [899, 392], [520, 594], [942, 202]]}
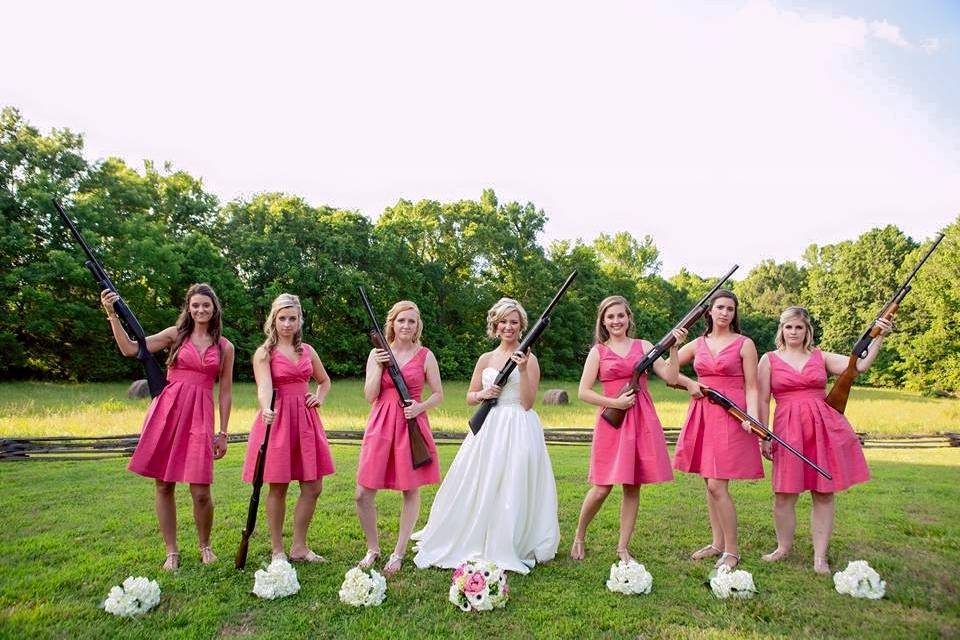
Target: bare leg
{"points": [[203, 517], [716, 544], [726, 515], [785, 523], [366, 501], [628, 519], [408, 520], [821, 524], [167, 519], [276, 510], [591, 505], [302, 515]]}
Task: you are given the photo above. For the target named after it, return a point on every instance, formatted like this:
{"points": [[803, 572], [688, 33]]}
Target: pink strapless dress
{"points": [[385, 461], [176, 442], [712, 443], [636, 453], [298, 448], [813, 427]]}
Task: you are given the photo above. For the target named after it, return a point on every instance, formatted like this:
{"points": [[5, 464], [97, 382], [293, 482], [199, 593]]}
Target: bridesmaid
{"points": [[298, 448], [177, 443], [636, 453], [712, 443], [385, 461], [796, 373]]}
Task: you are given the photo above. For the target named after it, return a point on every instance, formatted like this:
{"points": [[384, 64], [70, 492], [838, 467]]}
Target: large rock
{"points": [[139, 389], [555, 396]]}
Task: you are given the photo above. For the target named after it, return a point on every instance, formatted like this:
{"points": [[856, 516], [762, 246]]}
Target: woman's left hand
{"points": [[312, 400], [680, 334], [745, 425], [219, 446], [886, 326], [413, 409], [521, 358]]}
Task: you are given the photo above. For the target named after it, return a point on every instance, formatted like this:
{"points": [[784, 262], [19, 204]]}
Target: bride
{"points": [[498, 501]]}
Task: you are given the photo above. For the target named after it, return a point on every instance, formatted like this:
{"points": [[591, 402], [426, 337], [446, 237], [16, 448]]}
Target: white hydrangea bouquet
{"points": [[278, 580], [362, 590], [860, 580], [136, 596], [732, 584], [479, 585], [629, 578]]}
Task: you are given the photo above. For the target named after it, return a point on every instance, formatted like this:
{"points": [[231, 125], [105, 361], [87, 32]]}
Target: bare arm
{"points": [[371, 386], [476, 393], [224, 399], [432, 373], [261, 373], [763, 400], [529, 377], [749, 360], [669, 370], [591, 369], [837, 363], [129, 348], [322, 379]]}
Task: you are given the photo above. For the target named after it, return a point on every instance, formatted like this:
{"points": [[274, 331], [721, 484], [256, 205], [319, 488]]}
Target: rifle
{"points": [[241, 560], [418, 446], [528, 341], [761, 430], [840, 393], [156, 380], [615, 416]]}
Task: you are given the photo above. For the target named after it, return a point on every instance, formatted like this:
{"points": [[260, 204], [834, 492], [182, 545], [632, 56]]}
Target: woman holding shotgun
{"points": [[298, 448], [177, 443], [712, 443], [635, 453], [796, 374], [385, 455]]}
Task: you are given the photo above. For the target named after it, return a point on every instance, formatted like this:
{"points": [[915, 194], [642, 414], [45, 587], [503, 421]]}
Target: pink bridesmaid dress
{"points": [[636, 453], [298, 448], [176, 442], [813, 427], [712, 443], [385, 461]]}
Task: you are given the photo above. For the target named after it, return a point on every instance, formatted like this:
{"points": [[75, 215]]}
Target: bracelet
{"points": [[222, 433], [111, 317]]}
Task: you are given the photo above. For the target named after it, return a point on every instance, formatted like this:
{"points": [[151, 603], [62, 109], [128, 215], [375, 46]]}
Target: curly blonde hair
{"points": [[500, 310], [791, 313], [282, 301], [397, 309]]}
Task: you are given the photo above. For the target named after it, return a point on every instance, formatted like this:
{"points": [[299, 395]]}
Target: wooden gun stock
{"points": [[241, 559]]}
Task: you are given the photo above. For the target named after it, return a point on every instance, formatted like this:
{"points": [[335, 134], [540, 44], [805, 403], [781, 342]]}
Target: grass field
{"points": [[49, 409], [74, 529]]}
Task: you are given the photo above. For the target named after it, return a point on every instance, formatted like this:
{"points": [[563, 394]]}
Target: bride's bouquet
{"points": [[278, 580], [362, 590], [136, 596], [479, 585], [860, 580], [732, 584], [629, 578]]}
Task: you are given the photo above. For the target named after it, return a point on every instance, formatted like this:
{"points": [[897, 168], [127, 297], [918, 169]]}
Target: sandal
{"points": [[577, 549], [723, 560], [775, 555], [624, 555], [172, 563], [207, 556], [707, 552], [368, 560], [821, 566], [310, 557], [393, 564]]}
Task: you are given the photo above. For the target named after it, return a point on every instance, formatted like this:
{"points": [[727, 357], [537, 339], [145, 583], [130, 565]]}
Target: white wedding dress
{"points": [[498, 501]]}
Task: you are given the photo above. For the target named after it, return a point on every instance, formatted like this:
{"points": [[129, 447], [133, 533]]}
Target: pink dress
{"points": [[385, 461], [176, 442], [712, 443], [298, 448], [813, 427], [636, 453]]}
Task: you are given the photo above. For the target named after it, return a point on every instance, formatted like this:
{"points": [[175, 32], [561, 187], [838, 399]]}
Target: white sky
{"points": [[729, 134]]}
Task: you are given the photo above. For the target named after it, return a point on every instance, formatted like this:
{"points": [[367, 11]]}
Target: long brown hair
{"points": [[185, 323], [735, 323], [600, 333], [281, 302]]}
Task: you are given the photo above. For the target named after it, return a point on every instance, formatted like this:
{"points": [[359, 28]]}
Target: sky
{"points": [[731, 132]]}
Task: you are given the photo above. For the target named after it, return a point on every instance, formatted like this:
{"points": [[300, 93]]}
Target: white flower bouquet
{"points": [[860, 580], [479, 585], [278, 580], [732, 584], [629, 578], [136, 596], [362, 590]]}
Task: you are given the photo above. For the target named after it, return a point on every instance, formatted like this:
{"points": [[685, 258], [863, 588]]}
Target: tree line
{"points": [[157, 231]]}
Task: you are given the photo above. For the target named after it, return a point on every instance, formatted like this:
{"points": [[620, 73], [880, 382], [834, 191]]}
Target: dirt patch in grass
{"points": [[243, 626]]}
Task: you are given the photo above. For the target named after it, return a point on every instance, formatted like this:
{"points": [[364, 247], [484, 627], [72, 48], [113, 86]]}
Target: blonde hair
{"points": [[600, 333], [282, 301], [397, 309], [788, 314], [501, 310]]}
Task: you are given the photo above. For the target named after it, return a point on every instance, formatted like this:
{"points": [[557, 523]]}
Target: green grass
{"points": [[48, 409], [71, 530]]}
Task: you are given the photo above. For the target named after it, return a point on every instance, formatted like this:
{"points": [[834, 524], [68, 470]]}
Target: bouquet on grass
{"points": [[629, 578], [278, 580], [479, 585], [362, 590], [732, 584], [860, 580], [136, 596]]}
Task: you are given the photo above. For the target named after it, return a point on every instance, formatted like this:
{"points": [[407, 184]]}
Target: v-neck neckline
{"points": [[714, 356]]}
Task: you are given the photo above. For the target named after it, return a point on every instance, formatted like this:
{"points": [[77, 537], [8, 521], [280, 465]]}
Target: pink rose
{"points": [[475, 584], [458, 571]]}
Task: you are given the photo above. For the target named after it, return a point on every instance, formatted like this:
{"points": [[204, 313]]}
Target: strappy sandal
{"points": [[775, 555], [309, 556], [577, 551], [207, 556], [394, 563], [621, 552], [723, 560], [172, 563], [821, 566], [706, 552], [368, 560]]}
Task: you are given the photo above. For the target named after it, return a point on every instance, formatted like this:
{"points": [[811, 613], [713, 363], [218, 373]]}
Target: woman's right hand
{"points": [[626, 399], [268, 416], [382, 357], [107, 298], [694, 388], [766, 449]]}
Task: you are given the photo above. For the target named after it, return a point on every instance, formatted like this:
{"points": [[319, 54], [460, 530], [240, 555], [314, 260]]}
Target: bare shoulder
{"points": [[261, 354]]}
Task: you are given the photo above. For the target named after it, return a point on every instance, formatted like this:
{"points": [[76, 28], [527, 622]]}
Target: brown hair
{"points": [[397, 309], [600, 333], [735, 323], [185, 323]]}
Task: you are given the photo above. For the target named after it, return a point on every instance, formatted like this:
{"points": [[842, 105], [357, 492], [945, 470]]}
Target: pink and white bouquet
{"points": [[860, 580], [479, 585]]}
